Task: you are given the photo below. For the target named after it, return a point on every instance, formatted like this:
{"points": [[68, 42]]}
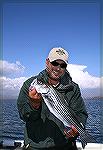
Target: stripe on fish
{"points": [[59, 108]]}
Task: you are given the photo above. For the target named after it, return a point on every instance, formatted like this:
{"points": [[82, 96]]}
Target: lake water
{"points": [[11, 127]]}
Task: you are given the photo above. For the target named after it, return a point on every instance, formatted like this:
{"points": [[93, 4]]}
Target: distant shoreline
{"points": [[93, 98], [86, 98]]}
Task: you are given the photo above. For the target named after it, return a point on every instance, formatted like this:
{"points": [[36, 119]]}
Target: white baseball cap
{"points": [[58, 53]]}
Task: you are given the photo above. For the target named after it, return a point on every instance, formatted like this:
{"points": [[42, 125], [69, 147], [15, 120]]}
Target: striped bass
{"points": [[60, 109]]}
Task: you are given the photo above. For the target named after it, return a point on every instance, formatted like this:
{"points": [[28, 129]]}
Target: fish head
{"points": [[40, 86]]}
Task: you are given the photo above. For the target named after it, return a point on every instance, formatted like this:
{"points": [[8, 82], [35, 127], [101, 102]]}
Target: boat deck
{"points": [[18, 145]]}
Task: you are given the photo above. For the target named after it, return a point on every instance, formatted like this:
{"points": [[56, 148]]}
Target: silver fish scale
{"points": [[58, 107], [68, 117]]}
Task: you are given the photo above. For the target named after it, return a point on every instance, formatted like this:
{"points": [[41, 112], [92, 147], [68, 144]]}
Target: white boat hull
{"points": [[18, 144], [90, 146]]}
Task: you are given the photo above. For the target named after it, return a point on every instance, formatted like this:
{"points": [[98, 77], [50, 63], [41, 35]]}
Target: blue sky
{"points": [[30, 30]]}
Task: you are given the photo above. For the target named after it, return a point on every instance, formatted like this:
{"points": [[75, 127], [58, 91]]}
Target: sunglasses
{"points": [[63, 65]]}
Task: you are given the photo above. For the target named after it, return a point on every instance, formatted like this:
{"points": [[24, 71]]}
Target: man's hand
{"points": [[35, 98], [35, 95], [71, 133]]}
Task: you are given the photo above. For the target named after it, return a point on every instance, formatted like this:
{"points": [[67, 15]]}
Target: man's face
{"points": [[55, 69]]}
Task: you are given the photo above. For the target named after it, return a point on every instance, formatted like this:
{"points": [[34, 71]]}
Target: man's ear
{"points": [[47, 61]]}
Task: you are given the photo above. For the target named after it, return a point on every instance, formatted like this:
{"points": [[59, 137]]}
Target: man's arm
{"points": [[78, 106]]}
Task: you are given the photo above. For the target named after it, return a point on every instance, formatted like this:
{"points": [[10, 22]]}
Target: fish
{"points": [[60, 109]]}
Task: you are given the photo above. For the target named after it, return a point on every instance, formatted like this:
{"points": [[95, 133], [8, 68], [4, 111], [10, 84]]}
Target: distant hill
{"points": [[96, 97]]}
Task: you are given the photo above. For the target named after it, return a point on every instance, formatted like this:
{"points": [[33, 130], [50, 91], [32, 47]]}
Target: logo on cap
{"points": [[60, 51]]}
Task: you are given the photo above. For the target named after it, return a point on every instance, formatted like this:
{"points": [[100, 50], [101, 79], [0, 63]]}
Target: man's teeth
{"points": [[55, 73]]}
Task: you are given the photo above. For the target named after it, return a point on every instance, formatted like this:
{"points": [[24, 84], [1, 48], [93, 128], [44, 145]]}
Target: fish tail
{"points": [[83, 144], [83, 141], [86, 138]]}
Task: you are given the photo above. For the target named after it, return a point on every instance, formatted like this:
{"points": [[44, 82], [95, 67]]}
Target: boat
{"points": [[90, 146], [18, 145]]}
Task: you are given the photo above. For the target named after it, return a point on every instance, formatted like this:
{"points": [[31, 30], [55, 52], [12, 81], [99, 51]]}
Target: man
{"points": [[42, 129]]}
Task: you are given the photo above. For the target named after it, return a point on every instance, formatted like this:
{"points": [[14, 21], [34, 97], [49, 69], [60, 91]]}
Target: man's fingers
{"points": [[71, 133]]}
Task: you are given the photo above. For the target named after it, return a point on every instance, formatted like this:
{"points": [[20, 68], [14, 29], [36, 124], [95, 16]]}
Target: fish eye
{"points": [[39, 82]]}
